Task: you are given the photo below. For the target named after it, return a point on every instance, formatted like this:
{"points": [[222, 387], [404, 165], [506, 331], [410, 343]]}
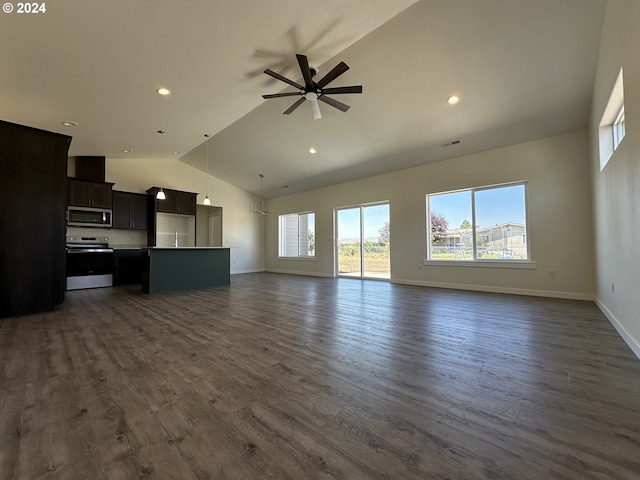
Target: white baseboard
{"points": [[634, 345], [510, 291], [295, 272], [250, 270]]}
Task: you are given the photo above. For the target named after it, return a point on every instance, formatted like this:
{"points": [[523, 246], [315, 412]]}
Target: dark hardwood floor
{"points": [[289, 377]]}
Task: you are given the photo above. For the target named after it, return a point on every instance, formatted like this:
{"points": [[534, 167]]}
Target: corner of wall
{"points": [[633, 343]]}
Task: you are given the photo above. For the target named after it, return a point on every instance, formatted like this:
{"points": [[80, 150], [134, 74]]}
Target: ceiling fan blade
{"points": [[306, 71], [299, 102], [315, 109], [352, 89], [278, 95], [334, 103], [284, 79], [333, 74]]}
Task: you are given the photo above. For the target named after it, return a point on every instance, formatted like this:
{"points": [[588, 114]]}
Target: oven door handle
{"points": [[90, 250]]}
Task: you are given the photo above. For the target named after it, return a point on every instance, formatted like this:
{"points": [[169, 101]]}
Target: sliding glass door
{"points": [[362, 241]]}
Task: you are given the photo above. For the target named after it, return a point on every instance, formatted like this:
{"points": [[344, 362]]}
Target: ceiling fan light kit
{"points": [[314, 91]]}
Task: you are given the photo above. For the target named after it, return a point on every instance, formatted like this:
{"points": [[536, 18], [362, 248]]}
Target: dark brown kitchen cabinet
{"points": [[88, 193], [130, 211], [127, 266], [176, 202], [183, 203], [33, 173]]}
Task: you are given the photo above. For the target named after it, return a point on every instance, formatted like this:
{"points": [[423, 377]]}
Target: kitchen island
{"points": [[188, 268]]}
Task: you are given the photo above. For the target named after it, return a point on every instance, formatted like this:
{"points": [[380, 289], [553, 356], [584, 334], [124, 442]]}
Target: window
{"points": [[480, 224], [296, 237], [612, 125], [618, 129]]}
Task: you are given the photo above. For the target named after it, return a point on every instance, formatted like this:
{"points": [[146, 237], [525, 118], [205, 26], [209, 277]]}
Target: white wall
{"points": [[616, 190], [557, 172], [242, 231]]}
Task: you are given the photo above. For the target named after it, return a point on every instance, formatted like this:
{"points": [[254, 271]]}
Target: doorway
{"points": [[208, 226], [362, 241]]}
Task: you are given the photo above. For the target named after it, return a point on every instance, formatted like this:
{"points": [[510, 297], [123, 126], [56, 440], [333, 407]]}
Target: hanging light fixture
{"points": [[207, 201], [160, 195], [262, 207]]}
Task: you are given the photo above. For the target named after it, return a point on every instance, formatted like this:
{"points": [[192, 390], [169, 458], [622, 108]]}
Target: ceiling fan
{"points": [[314, 91]]}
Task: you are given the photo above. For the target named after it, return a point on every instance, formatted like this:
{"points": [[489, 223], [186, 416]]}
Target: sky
{"points": [[493, 206], [374, 218]]}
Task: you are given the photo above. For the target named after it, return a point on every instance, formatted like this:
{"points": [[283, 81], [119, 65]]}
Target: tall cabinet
{"points": [[33, 175]]}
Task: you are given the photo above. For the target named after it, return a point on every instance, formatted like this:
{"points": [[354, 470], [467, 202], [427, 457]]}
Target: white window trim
{"points": [[524, 264], [293, 257], [613, 113], [618, 128], [305, 259], [478, 262]]}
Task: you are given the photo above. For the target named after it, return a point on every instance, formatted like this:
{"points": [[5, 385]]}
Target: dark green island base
{"points": [[172, 269]]}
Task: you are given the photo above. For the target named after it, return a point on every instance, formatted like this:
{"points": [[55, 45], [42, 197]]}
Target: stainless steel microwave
{"points": [[88, 217]]}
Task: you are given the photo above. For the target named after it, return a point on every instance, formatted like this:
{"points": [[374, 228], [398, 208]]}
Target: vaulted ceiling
{"points": [[524, 69]]}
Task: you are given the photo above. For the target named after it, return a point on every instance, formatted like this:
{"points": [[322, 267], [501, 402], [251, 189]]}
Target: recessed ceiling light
{"points": [[312, 150], [453, 99], [163, 91], [126, 150], [70, 124]]}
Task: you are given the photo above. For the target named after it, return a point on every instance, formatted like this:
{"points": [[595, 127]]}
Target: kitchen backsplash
{"points": [[117, 237]]}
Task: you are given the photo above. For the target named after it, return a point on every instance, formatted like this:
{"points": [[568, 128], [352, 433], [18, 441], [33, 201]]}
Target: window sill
{"points": [[304, 259], [525, 264]]}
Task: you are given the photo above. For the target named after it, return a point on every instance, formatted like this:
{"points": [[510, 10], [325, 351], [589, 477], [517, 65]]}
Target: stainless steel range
{"points": [[89, 262]]}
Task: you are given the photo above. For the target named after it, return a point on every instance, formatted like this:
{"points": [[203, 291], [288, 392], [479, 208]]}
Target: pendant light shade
{"points": [[207, 200], [160, 195]]}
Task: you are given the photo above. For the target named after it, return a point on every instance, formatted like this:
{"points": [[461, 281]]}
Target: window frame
{"points": [[611, 131], [476, 261], [298, 215], [618, 128]]}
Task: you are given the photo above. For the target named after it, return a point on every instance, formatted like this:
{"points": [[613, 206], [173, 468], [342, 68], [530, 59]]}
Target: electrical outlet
{"points": [[551, 273]]}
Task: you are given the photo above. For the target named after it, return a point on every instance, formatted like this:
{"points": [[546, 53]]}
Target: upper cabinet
{"points": [[176, 201], [130, 210], [89, 193]]}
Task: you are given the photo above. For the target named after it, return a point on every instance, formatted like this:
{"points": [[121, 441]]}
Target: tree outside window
{"points": [[492, 221]]}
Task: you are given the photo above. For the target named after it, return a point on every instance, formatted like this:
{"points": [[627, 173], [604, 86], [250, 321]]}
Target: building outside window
{"points": [[296, 235], [478, 224]]}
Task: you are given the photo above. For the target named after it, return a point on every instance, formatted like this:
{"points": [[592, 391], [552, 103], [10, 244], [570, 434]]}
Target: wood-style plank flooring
{"points": [[291, 377]]}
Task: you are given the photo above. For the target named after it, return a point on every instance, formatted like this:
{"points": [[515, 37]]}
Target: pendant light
{"points": [[160, 195], [262, 207], [207, 201]]}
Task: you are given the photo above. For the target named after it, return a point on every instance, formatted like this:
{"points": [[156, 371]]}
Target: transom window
{"points": [[618, 128], [478, 224], [296, 237], [612, 125]]}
